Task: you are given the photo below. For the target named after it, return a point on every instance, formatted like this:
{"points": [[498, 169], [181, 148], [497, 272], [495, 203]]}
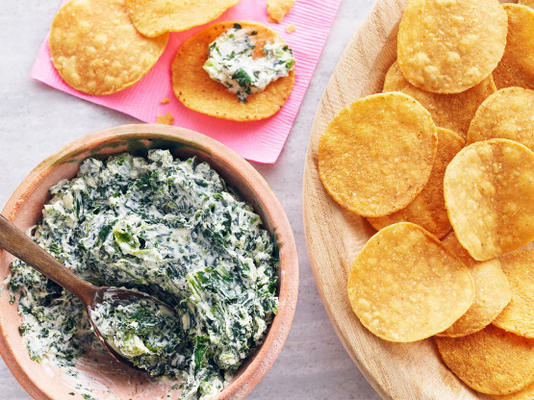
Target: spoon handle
{"points": [[20, 245]]}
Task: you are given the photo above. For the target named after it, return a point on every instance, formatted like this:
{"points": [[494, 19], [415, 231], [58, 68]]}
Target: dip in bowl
{"points": [[97, 376]]}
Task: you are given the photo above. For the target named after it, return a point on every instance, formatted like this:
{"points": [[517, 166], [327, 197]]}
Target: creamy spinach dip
{"points": [[232, 62], [168, 228], [144, 332]]}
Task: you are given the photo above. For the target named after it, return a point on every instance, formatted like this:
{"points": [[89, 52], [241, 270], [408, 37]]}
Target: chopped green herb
{"points": [[242, 78], [144, 332]]}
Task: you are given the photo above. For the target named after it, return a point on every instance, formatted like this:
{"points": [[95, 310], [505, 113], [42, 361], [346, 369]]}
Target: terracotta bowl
{"points": [[107, 378]]}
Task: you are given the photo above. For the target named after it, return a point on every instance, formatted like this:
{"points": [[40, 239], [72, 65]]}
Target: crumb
{"points": [[166, 119], [165, 100], [277, 9], [291, 28]]}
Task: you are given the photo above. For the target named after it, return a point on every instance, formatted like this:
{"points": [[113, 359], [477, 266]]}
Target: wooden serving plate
{"points": [[334, 237]]}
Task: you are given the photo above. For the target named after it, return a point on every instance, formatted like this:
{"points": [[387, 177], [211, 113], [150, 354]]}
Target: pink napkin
{"points": [[260, 141]]}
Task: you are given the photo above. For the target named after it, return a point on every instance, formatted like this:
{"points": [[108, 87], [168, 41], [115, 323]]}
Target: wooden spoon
{"points": [[20, 245]]}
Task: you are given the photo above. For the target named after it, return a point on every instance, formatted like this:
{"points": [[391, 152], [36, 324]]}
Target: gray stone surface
{"points": [[36, 121]]}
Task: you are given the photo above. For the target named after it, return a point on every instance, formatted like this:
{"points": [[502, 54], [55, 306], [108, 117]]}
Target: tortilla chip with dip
{"points": [[240, 71]]}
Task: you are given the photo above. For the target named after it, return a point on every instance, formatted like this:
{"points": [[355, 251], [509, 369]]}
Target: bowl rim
{"points": [[263, 358]]}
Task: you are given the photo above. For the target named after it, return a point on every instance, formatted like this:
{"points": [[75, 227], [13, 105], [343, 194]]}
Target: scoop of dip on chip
{"points": [[242, 53], [246, 65]]}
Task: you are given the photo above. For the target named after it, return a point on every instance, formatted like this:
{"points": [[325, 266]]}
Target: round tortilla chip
{"points": [[528, 3], [448, 46], [488, 189], [404, 286], [524, 394], [516, 67], [377, 154], [156, 17], [518, 316], [96, 50], [491, 361], [428, 208], [509, 114], [197, 91], [451, 111], [492, 291]]}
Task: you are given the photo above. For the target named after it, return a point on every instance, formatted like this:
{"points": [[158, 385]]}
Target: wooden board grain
{"points": [[334, 237]]}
